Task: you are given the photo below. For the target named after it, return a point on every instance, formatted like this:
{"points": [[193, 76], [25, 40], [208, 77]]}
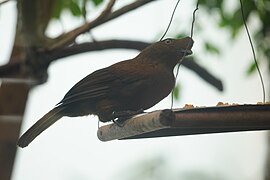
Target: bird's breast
{"points": [[147, 92]]}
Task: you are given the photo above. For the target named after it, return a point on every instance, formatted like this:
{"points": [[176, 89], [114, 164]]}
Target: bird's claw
{"points": [[119, 117], [118, 122]]}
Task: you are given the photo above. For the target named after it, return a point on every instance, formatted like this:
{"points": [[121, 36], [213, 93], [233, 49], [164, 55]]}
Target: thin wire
{"points": [[193, 19], [253, 51], [175, 7], [191, 35]]}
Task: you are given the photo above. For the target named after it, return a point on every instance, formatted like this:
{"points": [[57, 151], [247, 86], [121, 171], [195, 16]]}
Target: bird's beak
{"points": [[185, 45], [186, 52]]}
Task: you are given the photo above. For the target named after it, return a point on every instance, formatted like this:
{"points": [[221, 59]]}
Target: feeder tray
{"points": [[189, 121]]}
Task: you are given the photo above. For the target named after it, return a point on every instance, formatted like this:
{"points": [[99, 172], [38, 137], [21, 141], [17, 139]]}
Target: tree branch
{"points": [[51, 56], [202, 73], [47, 57], [95, 46], [138, 45], [4, 2], [105, 16], [10, 69], [124, 10], [70, 36]]}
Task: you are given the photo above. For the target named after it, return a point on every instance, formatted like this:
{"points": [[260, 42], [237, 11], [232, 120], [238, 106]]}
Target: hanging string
{"points": [[191, 35], [175, 7], [253, 51], [193, 19]]}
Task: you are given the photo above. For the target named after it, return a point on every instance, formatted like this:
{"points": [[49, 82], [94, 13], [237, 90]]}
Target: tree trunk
{"points": [[12, 105], [13, 98], [32, 20]]}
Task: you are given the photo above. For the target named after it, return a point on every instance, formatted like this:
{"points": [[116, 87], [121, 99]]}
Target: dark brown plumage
{"points": [[130, 85]]}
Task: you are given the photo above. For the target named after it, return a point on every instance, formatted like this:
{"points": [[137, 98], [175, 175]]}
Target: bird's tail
{"points": [[46, 121]]}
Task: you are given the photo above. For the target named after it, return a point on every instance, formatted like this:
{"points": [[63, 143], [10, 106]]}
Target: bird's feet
{"points": [[120, 117]]}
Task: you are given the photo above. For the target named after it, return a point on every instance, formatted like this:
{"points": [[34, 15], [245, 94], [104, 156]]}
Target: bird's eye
{"points": [[168, 41]]}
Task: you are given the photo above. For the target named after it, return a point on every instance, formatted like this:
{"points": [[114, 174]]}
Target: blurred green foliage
{"points": [[211, 48], [228, 16], [75, 7], [231, 19], [176, 91]]}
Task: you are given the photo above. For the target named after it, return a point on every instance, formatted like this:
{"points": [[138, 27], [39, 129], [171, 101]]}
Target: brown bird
{"points": [[131, 85]]}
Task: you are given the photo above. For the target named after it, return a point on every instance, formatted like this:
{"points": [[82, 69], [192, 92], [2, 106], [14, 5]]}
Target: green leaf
{"points": [[236, 22], [211, 48], [58, 9], [176, 92], [267, 54], [75, 9], [251, 68], [97, 2]]}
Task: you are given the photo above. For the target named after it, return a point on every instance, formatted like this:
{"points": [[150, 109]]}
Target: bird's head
{"points": [[168, 51]]}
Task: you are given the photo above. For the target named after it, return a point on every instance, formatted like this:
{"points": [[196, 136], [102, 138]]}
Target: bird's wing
{"points": [[93, 86], [105, 82]]}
